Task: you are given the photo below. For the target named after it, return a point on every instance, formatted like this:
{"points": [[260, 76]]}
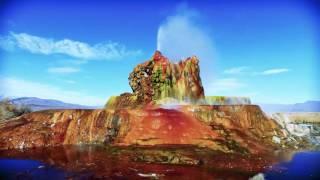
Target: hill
{"points": [[37, 104], [308, 106]]}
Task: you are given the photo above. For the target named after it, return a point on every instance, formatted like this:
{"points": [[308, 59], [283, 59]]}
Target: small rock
{"points": [[276, 139]]}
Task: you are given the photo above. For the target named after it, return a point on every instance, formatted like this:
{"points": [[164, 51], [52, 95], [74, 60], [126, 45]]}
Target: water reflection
{"points": [[303, 165], [28, 169], [131, 163]]}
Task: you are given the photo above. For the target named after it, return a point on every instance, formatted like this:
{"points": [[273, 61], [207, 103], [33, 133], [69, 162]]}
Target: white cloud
{"points": [[14, 87], [77, 49], [275, 71], [7, 43], [181, 36], [236, 70], [225, 85], [63, 70]]}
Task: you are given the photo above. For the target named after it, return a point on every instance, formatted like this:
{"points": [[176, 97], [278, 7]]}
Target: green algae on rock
{"points": [[158, 78]]}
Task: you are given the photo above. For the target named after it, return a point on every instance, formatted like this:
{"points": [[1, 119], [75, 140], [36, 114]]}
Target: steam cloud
{"points": [[180, 37]]}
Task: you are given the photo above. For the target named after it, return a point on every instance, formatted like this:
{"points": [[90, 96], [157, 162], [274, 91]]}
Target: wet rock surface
{"points": [[158, 78], [238, 128]]}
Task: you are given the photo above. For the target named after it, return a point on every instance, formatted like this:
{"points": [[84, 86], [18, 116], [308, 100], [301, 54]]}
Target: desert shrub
{"points": [[9, 110], [305, 117]]}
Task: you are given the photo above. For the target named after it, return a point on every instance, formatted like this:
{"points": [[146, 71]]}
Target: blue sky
{"points": [[83, 51]]}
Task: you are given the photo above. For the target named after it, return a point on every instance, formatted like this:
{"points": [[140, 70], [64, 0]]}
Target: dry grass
{"points": [[304, 117], [9, 110]]}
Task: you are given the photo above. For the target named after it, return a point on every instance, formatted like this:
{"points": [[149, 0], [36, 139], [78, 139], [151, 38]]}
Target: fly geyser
{"points": [[158, 79], [141, 119]]}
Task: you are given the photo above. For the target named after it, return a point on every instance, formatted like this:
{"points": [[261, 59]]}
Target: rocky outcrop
{"points": [[160, 82], [158, 78], [224, 128], [300, 125], [141, 118], [54, 127]]}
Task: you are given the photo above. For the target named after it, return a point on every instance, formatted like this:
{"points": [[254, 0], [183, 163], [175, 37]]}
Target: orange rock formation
{"points": [[133, 119]]}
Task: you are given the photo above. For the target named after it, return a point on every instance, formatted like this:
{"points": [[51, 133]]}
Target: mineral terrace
{"points": [[167, 107]]}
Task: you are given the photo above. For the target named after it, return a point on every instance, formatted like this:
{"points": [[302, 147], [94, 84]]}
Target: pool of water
{"points": [[303, 165], [28, 169], [85, 162]]}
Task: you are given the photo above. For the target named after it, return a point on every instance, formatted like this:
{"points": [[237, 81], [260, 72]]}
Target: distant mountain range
{"points": [[308, 106], [37, 104]]}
